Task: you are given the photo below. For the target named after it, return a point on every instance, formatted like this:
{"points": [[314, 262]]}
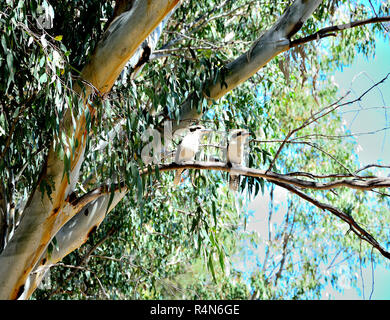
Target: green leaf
{"points": [[211, 266], [214, 212], [49, 250], [55, 243], [221, 259], [43, 78], [67, 165], [139, 188]]}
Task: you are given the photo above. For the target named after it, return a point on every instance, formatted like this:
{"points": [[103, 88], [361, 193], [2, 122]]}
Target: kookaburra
{"points": [[188, 148], [235, 154]]}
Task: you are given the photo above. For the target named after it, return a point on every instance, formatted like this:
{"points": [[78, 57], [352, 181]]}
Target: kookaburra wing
{"points": [[188, 148], [235, 154]]}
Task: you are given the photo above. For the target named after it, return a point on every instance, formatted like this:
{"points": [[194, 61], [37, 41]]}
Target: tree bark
{"points": [[72, 235]]}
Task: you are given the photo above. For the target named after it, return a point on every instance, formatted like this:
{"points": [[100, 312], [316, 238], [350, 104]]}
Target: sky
{"points": [[360, 76], [371, 148], [374, 148], [369, 115]]}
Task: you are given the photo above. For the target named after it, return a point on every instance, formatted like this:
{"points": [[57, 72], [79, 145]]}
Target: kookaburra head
{"points": [[239, 134], [198, 128], [235, 154]]}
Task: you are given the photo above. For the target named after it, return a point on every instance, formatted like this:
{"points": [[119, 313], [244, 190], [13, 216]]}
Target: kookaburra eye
{"points": [[192, 129]]}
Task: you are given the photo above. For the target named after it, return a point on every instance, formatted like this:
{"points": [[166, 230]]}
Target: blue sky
{"points": [[375, 148], [370, 148], [361, 75]]}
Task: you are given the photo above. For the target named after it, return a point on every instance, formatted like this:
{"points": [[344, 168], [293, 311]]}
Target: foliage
{"points": [[179, 242]]}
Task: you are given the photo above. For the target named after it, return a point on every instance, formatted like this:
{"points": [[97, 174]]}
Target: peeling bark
{"points": [[72, 236], [121, 40]]}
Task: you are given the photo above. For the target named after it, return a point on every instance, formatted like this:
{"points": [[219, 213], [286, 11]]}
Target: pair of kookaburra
{"points": [[189, 146]]}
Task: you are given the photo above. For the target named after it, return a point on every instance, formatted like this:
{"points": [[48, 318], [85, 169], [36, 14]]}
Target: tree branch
{"points": [[320, 114], [330, 31], [358, 183], [286, 238], [267, 46], [354, 226], [372, 166], [84, 259], [75, 232]]}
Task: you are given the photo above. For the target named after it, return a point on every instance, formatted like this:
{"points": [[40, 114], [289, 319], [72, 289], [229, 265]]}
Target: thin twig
{"points": [[322, 113], [372, 166], [372, 276]]}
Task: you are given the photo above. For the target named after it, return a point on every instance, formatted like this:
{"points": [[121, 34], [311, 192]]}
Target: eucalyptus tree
{"points": [[85, 83]]}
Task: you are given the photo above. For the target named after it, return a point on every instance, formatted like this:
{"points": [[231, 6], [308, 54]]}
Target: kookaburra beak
{"points": [[246, 134], [206, 130]]}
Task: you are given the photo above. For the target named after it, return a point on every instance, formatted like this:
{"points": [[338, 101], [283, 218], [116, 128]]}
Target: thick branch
{"points": [[84, 261], [355, 183], [121, 40], [269, 45], [290, 184], [75, 232], [330, 31]]}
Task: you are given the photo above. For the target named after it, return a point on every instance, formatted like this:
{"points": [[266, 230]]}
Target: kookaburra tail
{"points": [[235, 154], [188, 148], [177, 178], [234, 182]]}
